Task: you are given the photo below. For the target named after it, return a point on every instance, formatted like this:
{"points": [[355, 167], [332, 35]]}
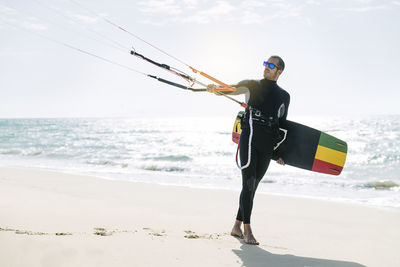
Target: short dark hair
{"points": [[281, 64]]}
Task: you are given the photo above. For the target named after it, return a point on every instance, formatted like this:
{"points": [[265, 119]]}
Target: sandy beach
{"points": [[56, 219]]}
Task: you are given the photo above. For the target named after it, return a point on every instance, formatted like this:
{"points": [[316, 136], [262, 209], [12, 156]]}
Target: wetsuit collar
{"points": [[268, 81]]}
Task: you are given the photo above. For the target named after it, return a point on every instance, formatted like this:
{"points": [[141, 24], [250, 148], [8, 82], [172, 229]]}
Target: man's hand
{"points": [[281, 162]]}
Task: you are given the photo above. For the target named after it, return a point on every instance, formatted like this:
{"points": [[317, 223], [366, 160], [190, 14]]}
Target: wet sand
{"points": [[55, 219]]}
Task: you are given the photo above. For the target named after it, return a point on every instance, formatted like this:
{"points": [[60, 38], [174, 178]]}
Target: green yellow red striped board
{"points": [[330, 155], [306, 148], [237, 128]]}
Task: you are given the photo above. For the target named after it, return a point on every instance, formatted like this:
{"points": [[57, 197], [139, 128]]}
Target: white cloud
{"points": [[207, 11], [168, 7], [253, 4], [33, 26], [249, 17], [396, 3], [191, 4], [365, 1], [6, 10], [285, 10], [196, 18], [313, 2], [86, 19], [221, 11], [153, 22], [364, 9], [221, 8], [11, 17]]}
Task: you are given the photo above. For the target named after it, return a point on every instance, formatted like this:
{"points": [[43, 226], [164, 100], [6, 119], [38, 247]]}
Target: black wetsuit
{"points": [[272, 102]]}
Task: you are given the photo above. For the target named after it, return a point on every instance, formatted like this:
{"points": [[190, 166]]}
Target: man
{"points": [[268, 107]]}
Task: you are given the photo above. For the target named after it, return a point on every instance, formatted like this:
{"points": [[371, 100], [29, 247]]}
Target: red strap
{"points": [[237, 152]]}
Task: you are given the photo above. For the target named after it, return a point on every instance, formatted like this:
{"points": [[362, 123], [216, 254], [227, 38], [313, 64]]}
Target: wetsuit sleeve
{"points": [[284, 108], [241, 88]]}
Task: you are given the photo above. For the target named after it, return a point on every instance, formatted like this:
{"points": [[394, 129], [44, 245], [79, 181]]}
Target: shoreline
{"points": [[86, 221], [209, 187]]}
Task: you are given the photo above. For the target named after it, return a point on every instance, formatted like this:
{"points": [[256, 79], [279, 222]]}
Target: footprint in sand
{"points": [[192, 235], [24, 232], [61, 233], [102, 231], [153, 232], [7, 229]]}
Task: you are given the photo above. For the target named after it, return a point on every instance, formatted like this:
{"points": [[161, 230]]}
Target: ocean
{"points": [[199, 152]]}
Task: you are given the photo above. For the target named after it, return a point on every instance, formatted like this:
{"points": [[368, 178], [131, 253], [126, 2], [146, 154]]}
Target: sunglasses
{"points": [[270, 65]]}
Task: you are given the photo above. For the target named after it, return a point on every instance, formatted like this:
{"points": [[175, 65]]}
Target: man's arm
{"points": [[282, 115], [241, 88], [284, 109]]}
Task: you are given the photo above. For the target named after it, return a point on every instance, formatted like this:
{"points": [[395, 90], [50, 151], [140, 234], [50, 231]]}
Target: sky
{"points": [[342, 56]]}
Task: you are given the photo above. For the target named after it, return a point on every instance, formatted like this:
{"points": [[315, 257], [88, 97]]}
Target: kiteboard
{"points": [[306, 148]]}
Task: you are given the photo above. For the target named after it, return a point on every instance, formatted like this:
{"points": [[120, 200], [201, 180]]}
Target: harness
{"points": [[259, 118]]}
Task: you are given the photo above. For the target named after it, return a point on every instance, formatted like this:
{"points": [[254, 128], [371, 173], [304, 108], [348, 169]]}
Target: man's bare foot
{"points": [[236, 231], [248, 236], [250, 239]]}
